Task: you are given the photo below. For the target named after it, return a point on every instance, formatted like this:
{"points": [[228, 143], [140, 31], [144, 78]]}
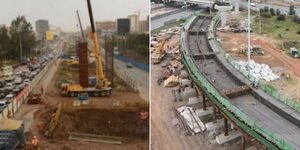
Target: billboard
{"points": [[49, 35]]}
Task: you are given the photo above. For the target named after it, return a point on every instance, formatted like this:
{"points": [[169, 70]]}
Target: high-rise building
{"points": [[134, 22], [123, 26], [41, 26]]}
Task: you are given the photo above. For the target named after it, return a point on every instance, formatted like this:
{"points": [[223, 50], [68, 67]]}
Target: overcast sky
{"points": [[62, 13]]}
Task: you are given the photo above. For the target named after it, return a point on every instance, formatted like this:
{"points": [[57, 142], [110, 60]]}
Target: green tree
{"points": [[272, 11], [281, 17], [21, 31], [292, 10], [4, 43], [277, 12]]}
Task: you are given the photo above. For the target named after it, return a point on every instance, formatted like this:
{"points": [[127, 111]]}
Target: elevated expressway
{"points": [[259, 116]]}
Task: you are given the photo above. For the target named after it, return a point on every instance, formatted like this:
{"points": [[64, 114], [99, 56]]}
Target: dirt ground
{"points": [[116, 115], [280, 62], [165, 134]]}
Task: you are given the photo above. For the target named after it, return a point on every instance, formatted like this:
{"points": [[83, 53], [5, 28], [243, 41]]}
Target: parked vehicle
{"points": [[2, 105], [9, 98]]}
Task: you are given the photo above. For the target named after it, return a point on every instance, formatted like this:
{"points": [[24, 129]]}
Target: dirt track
{"points": [[98, 114]]}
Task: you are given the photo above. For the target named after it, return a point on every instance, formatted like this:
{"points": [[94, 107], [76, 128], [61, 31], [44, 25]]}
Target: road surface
{"points": [[140, 76], [157, 23]]}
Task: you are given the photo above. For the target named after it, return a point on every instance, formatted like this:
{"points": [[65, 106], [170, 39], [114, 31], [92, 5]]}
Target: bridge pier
{"points": [[225, 126], [214, 114], [243, 143], [204, 101]]}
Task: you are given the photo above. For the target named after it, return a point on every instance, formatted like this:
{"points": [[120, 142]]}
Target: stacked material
{"points": [[192, 120], [258, 71]]}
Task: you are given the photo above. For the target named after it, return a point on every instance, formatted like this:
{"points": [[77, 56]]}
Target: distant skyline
{"points": [[62, 13]]}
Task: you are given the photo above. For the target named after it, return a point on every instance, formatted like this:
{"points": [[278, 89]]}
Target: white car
{"points": [[253, 4], [9, 98], [18, 80]]}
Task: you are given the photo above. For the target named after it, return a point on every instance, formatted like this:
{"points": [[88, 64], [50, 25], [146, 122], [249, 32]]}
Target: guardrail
{"points": [[241, 119], [134, 63]]}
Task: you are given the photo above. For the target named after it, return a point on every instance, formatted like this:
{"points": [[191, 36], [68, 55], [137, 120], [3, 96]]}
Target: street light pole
{"points": [[249, 36]]}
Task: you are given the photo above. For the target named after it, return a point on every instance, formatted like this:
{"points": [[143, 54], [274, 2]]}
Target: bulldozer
{"points": [[159, 53], [103, 85]]}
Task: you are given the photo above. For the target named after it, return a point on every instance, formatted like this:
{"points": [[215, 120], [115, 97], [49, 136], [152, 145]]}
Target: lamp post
{"points": [[249, 36]]}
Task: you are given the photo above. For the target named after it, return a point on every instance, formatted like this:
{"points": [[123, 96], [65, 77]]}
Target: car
{"points": [[129, 65], [2, 105], [9, 86], [26, 81], [253, 4], [9, 98], [18, 80]]}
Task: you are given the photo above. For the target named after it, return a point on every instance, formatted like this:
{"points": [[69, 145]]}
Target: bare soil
{"points": [[113, 115], [274, 57]]}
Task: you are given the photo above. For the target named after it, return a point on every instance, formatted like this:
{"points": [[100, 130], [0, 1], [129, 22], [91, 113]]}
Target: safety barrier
{"points": [[266, 87], [127, 79], [242, 120], [134, 63]]}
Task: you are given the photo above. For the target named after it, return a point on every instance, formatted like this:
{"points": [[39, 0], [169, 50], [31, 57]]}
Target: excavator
{"points": [[159, 53], [103, 85]]}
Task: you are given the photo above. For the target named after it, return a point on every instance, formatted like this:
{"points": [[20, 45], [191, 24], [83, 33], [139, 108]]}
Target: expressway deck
{"points": [[222, 76]]}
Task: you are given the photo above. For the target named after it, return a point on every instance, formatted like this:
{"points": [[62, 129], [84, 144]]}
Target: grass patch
{"points": [[283, 30]]}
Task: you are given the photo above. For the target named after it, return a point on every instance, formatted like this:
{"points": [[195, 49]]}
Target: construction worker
{"points": [[34, 142]]}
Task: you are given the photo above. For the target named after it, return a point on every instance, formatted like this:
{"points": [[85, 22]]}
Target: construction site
{"points": [[213, 97], [77, 101]]}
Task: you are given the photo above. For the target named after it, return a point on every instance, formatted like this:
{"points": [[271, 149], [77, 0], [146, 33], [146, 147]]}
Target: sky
{"points": [[62, 13]]}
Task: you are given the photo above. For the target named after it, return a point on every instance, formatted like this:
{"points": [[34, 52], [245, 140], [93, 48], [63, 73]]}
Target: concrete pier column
{"points": [[214, 114], [204, 101], [225, 126]]}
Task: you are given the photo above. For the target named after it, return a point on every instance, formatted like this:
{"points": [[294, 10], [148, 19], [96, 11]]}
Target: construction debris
{"points": [[191, 119], [172, 81], [258, 71]]}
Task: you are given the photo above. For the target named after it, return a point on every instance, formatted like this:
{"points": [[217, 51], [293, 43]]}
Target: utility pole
{"points": [[249, 36]]}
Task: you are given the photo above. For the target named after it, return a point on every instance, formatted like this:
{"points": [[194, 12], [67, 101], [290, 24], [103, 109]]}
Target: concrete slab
{"points": [[194, 100], [187, 93], [204, 113], [232, 135], [211, 126], [185, 82]]}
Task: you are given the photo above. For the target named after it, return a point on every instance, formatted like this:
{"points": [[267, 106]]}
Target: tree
{"points": [[281, 17], [277, 12], [21, 31], [272, 11], [266, 9], [4, 43], [292, 10]]}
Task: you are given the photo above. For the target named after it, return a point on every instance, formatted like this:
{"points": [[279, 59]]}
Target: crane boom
{"points": [[100, 77]]}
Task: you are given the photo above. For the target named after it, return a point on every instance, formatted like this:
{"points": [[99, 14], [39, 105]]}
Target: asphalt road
{"points": [[160, 22], [140, 76]]}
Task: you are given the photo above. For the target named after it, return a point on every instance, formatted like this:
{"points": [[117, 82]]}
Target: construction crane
{"points": [[102, 86], [159, 53]]}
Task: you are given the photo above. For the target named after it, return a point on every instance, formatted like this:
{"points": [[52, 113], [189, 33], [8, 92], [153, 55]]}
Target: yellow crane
{"points": [[159, 53], [102, 87]]}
